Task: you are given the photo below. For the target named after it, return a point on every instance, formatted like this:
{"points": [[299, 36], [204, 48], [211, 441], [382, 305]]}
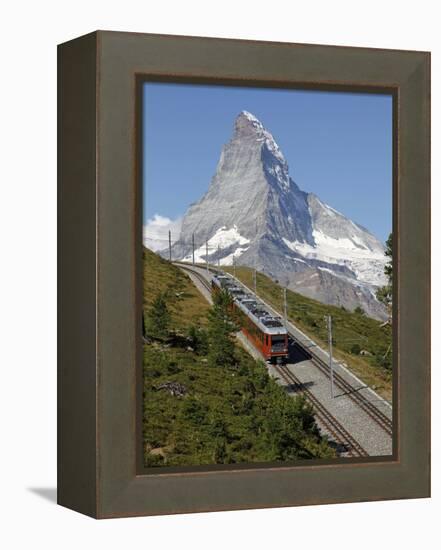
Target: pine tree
{"points": [[158, 317], [384, 293], [388, 266], [221, 329]]}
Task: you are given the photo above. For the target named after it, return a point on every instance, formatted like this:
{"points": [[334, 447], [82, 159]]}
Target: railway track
{"points": [[338, 432], [198, 276], [378, 416], [361, 400], [340, 435]]}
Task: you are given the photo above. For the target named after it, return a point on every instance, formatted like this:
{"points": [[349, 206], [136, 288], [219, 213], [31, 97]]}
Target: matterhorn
{"points": [[255, 214]]}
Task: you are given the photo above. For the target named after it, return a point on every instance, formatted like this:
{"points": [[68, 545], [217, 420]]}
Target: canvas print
{"points": [[267, 275]]}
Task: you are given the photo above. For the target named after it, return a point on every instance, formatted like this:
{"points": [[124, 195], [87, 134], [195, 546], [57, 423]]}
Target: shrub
{"points": [[173, 368], [151, 461], [194, 411], [355, 349], [220, 452], [198, 339]]}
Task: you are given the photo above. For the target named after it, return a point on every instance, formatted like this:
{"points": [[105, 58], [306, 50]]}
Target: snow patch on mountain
{"points": [[224, 239], [350, 251]]}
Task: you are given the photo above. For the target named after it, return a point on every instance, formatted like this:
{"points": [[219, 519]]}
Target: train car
{"points": [[265, 331]]}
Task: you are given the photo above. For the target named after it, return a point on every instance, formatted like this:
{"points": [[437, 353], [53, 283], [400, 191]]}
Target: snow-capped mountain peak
{"points": [[246, 121], [254, 120], [253, 211]]}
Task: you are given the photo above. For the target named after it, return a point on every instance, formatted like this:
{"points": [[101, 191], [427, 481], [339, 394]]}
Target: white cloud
{"points": [[155, 231]]}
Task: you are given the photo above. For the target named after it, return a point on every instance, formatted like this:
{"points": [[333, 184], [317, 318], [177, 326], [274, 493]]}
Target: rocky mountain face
{"points": [[254, 213]]}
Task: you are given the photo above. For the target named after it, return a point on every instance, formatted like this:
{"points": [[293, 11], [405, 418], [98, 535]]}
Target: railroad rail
{"points": [[367, 406], [333, 426], [198, 275]]}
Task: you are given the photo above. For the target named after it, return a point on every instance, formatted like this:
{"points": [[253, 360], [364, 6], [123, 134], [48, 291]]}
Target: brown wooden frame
{"points": [[99, 470]]}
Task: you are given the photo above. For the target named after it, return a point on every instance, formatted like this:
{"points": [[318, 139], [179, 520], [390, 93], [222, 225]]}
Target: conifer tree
{"points": [[384, 293], [221, 329], [158, 317]]}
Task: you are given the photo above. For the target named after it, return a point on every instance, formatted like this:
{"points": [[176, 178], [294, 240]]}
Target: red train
{"points": [[266, 332]]}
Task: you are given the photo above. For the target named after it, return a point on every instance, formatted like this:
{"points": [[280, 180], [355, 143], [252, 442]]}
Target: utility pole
{"points": [[218, 255], [331, 366], [285, 309], [234, 266], [192, 243], [255, 281], [169, 245], [206, 254]]}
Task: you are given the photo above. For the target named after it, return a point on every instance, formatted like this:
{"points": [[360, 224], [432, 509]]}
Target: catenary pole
{"points": [[169, 244], [285, 309], [192, 244], [255, 281], [206, 254], [218, 255]]}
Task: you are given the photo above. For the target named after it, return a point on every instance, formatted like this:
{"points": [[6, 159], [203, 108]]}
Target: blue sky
{"points": [[337, 145]]}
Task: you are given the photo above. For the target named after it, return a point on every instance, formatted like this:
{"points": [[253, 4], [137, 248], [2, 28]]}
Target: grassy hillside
{"points": [[159, 277], [197, 413], [353, 332]]}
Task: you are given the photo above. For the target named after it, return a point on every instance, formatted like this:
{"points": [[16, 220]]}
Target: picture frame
{"points": [[99, 356]]}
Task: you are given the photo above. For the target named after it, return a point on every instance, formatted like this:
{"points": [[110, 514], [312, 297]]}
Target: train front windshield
{"points": [[278, 342]]}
